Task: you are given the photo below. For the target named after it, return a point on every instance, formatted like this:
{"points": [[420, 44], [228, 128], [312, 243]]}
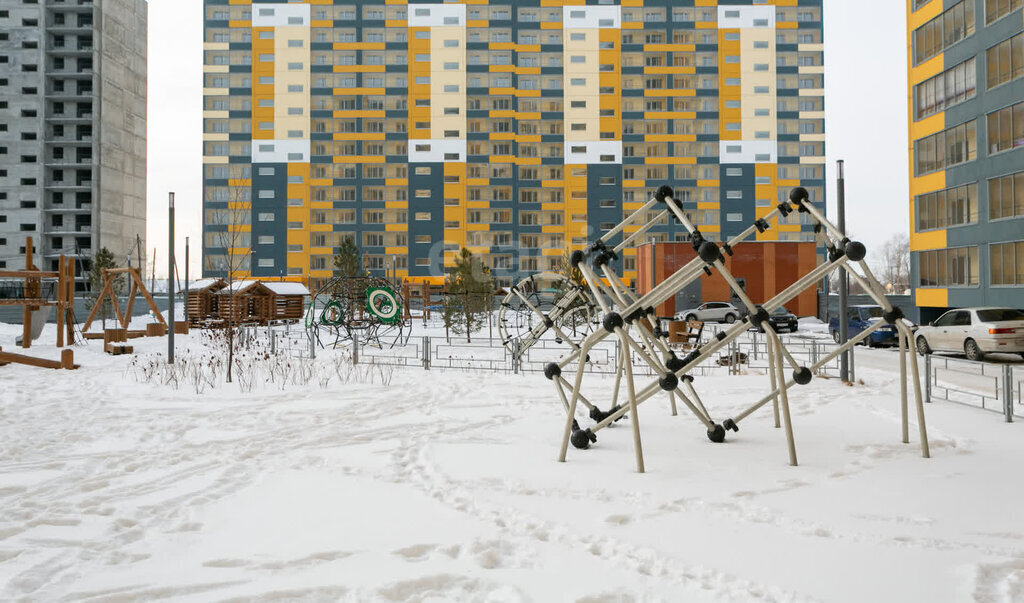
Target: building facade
{"points": [[966, 62], [515, 129], [72, 129]]}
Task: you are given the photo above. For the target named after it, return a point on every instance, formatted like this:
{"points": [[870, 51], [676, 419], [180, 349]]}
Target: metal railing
{"points": [[489, 354], [985, 385]]}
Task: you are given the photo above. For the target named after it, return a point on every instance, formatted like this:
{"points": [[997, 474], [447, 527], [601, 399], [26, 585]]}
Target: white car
{"points": [[711, 312], [974, 332]]}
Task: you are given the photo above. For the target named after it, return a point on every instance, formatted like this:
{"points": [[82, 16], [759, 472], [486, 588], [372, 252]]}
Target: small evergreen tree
{"points": [[101, 260], [470, 290], [348, 261]]}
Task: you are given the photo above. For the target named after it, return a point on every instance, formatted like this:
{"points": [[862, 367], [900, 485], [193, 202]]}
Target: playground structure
{"points": [[544, 302], [630, 318], [37, 292], [137, 286], [363, 308]]}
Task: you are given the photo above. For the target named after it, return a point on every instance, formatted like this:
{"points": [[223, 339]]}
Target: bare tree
{"points": [[895, 263], [238, 214]]}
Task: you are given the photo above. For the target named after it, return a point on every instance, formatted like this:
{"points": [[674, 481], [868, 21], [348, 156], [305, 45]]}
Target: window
{"points": [[949, 267], [265, 217], [1005, 61], [1007, 263], [997, 9], [734, 217], [1006, 129], [1006, 196], [944, 31], [947, 148], [952, 86], [948, 207]]}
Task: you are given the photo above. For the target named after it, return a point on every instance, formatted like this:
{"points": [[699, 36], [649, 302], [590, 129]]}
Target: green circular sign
{"points": [[383, 303], [332, 314]]}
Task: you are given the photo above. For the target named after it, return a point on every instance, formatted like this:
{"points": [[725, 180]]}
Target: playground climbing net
{"points": [[366, 309], [630, 319]]}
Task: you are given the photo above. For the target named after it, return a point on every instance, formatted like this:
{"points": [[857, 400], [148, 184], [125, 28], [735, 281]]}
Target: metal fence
{"points": [[994, 387], [488, 354]]}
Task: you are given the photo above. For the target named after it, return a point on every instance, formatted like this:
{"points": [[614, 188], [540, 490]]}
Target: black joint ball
{"points": [[687, 378], [709, 252], [759, 317], [728, 248], [834, 253], [802, 375], [582, 438], [634, 316], [669, 382], [785, 209], [798, 195], [575, 258], [597, 415], [649, 310], [762, 225], [664, 191], [729, 424], [548, 322], [674, 363], [552, 370], [817, 228], [716, 434], [692, 356], [698, 240], [892, 317], [720, 335], [600, 260], [611, 321], [856, 251]]}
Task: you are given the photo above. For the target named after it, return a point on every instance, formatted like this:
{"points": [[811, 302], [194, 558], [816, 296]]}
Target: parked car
{"points": [[974, 332], [863, 317], [711, 312], [783, 319]]}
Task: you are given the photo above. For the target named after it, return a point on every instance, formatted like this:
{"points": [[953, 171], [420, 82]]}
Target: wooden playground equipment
{"points": [[213, 303], [30, 294], [137, 286]]}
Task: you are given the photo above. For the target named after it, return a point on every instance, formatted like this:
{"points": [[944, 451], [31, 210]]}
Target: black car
{"points": [[782, 319]]}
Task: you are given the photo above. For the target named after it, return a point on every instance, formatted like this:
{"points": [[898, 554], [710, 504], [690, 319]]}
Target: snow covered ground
{"points": [[443, 485]]}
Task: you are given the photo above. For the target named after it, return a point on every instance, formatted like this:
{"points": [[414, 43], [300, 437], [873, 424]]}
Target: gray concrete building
{"points": [[72, 129]]}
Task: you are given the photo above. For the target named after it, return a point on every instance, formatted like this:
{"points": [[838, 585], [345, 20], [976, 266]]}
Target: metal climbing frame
{"points": [[630, 319], [545, 302], [358, 308]]}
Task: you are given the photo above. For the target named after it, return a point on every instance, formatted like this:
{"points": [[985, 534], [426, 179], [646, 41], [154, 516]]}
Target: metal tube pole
{"points": [[903, 387], [170, 278], [844, 282], [186, 280], [776, 362]]}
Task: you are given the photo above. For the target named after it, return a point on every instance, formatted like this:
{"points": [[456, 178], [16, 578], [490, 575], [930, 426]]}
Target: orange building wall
{"points": [[768, 268]]}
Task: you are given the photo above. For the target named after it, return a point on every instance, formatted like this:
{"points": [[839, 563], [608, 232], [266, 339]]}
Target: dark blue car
{"points": [[862, 317]]}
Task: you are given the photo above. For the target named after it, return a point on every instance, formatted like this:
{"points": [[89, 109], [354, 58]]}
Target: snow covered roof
{"points": [[204, 283], [239, 286], [282, 288]]}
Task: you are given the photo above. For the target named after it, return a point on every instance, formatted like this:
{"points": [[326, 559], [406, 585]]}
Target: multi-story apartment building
{"points": [[72, 129], [966, 62], [515, 129]]}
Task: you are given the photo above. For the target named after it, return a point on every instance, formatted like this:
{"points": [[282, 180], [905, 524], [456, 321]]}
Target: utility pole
{"points": [[186, 280], [170, 278], [844, 280]]}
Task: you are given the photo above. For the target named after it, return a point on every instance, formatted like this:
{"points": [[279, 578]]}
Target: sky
{"points": [[865, 121]]}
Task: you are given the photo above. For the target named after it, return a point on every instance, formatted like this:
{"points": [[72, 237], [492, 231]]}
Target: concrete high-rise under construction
{"points": [[72, 129]]}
